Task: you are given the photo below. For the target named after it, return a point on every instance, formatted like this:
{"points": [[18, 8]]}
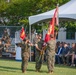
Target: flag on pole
{"points": [[22, 34], [57, 15], [51, 27]]}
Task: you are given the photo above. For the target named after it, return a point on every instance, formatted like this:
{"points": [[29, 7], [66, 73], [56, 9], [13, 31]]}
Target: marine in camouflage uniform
{"points": [[6, 41], [50, 54], [1, 47], [35, 41], [5, 36], [25, 53], [39, 57]]}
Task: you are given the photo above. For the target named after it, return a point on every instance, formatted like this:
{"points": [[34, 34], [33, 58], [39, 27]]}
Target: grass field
{"points": [[12, 67]]}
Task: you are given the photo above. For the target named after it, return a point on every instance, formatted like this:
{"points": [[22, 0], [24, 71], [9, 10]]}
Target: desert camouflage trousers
{"points": [[39, 60], [50, 59], [25, 59]]}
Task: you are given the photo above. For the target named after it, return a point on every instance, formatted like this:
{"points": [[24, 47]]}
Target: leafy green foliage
{"points": [[16, 12], [69, 25]]}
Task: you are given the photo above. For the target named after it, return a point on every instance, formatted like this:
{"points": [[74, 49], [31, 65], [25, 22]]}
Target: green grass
{"points": [[12, 67]]}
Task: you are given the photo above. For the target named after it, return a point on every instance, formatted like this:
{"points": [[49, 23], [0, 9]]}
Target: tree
{"points": [[16, 12], [69, 25]]}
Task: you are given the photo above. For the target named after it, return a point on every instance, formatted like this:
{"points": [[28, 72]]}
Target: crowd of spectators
{"points": [[65, 53], [5, 42]]}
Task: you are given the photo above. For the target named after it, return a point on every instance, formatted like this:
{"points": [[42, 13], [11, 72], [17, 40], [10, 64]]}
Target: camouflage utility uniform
{"points": [[5, 37], [39, 57], [1, 48], [25, 52], [50, 55]]}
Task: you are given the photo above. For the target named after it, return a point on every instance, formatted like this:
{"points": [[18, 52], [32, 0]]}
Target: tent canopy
{"points": [[66, 11]]}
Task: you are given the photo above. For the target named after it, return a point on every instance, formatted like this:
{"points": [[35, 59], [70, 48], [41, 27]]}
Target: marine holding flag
{"points": [[39, 53], [50, 39], [25, 51], [51, 28]]}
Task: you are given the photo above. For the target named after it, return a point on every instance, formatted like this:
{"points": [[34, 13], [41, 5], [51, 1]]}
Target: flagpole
{"points": [[58, 13], [30, 39]]}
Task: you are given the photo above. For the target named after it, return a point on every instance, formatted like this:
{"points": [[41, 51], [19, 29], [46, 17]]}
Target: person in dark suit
{"points": [[59, 54]]}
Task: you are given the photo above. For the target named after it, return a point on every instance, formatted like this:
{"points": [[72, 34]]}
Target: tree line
{"points": [[16, 12]]}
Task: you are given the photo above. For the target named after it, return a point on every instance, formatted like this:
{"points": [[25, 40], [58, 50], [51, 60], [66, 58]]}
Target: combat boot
{"points": [[50, 72], [23, 71]]}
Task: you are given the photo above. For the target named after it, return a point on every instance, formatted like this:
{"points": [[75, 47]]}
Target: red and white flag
{"points": [[51, 26]]}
